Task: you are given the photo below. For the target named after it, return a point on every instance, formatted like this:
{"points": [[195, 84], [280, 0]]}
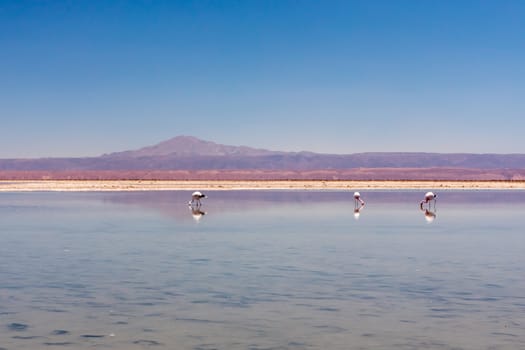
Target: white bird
{"points": [[429, 198], [196, 198], [357, 198]]}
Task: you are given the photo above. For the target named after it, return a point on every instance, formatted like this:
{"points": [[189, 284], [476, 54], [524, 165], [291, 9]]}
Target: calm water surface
{"points": [[262, 270]]}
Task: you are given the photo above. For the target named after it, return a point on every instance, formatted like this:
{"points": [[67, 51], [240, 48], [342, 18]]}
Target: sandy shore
{"points": [[141, 185]]}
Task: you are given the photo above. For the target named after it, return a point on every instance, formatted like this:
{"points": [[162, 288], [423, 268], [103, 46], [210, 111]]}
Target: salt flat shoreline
{"points": [[212, 185]]}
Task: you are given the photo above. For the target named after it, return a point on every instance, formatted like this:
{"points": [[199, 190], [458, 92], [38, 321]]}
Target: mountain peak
{"points": [[191, 146]]}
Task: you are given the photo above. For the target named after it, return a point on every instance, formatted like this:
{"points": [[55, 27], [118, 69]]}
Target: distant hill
{"points": [[186, 153], [189, 146]]}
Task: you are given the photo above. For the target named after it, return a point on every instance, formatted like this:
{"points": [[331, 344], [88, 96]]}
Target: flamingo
{"points": [[357, 198], [429, 198], [196, 198]]}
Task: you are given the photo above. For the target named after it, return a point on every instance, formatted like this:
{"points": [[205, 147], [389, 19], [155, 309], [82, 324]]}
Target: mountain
{"points": [[189, 146], [187, 153]]}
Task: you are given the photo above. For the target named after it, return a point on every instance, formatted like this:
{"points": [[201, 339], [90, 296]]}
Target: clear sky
{"points": [[83, 78]]}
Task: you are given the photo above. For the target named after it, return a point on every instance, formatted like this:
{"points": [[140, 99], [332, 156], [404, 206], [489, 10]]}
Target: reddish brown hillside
{"points": [[189, 156], [347, 174]]}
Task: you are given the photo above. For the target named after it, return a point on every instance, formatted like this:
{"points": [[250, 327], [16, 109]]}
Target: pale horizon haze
{"points": [[84, 78]]}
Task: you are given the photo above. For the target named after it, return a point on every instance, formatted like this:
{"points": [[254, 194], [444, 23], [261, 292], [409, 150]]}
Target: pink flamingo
{"points": [[429, 198], [357, 198], [196, 199]]}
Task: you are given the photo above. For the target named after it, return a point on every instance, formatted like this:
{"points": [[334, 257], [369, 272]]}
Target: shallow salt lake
{"points": [[262, 270]]}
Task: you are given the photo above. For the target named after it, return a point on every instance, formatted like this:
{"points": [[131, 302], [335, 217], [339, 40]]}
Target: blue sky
{"points": [[82, 78]]}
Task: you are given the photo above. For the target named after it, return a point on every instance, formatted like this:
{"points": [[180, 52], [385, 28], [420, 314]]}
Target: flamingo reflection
{"points": [[197, 213], [429, 215], [357, 212]]}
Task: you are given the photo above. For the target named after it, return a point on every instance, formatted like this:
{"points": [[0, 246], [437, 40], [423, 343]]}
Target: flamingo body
{"points": [[429, 198], [196, 198], [357, 197]]}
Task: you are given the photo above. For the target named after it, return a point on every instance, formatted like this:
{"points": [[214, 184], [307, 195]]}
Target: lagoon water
{"points": [[262, 270]]}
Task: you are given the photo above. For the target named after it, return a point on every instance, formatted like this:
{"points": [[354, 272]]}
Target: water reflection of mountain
{"points": [[175, 203]]}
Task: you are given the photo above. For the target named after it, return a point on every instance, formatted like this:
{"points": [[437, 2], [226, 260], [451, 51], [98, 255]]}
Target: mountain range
{"points": [[190, 154]]}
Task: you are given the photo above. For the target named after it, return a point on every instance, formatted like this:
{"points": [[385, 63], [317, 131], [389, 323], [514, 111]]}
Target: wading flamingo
{"points": [[429, 198], [196, 198], [358, 200]]}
